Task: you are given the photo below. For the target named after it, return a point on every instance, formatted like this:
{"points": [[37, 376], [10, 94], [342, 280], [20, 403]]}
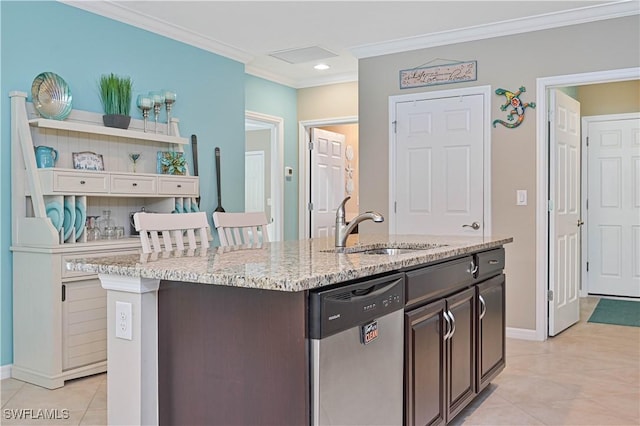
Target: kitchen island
{"points": [[219, 336]]}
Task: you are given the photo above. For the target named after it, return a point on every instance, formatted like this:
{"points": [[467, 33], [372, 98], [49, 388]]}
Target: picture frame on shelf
{"points": [[88, 160], [171, 163]]}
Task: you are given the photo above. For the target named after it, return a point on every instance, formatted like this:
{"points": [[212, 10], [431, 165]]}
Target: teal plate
{"points": [[68, 219], [54, 213], [81, 218]]}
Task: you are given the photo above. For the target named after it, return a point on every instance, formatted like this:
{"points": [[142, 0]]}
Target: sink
{"points": [[389, 251], [386, 250]]}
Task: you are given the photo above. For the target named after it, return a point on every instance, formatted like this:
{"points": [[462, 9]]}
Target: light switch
{"points": [[521, 197]]}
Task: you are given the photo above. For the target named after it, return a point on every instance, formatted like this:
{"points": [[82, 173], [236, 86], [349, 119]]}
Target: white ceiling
{"points": [[248, 31]]}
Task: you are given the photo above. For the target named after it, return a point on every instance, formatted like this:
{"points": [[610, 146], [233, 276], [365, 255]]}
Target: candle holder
{"points": [[169, 100], [144, 104], [158, 100]]}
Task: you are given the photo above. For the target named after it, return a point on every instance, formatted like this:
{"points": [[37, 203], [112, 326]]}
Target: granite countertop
{"points": [[289, 265]]}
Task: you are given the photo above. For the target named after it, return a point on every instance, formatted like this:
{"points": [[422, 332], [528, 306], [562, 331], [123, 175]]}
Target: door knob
{"points": [[580, 223], [474, 225]]}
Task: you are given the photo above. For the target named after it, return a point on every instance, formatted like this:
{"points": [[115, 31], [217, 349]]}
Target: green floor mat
{"points": [[618, 312]]}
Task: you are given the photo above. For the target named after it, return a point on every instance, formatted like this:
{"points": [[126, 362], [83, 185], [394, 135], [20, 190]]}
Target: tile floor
{"points": [[588, 375]]}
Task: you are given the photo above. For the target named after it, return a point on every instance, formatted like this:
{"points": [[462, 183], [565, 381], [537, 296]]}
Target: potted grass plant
{"points": [[115, 95]]}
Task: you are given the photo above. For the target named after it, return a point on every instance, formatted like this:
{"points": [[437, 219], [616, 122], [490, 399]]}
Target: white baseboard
{"points": [[5, 371], [522, 334]]}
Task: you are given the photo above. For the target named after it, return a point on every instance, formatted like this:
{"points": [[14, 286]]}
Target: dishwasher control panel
{"points": [[354, 305]]}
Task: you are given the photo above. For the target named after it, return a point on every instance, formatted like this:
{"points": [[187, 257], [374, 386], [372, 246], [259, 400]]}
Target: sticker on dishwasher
{"points": [[369, 332]]}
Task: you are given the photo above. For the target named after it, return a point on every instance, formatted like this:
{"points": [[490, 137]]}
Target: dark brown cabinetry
{"points": [[454, 335], [491, 326]]}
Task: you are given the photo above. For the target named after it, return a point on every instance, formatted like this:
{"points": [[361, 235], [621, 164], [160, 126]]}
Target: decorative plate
{"points": [[81, 218], [194, 207], [171, 163], [51, 96], [69, 211], [88, 160], [54, 213]]}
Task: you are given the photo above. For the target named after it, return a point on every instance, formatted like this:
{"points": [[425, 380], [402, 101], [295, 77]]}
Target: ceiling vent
{"points": [[305, 54]]}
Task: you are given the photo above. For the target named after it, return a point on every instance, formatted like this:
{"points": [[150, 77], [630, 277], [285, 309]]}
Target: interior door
{"points": [[254, 181], [613, 214], [440, 166], [565, 220], [327, 180]]}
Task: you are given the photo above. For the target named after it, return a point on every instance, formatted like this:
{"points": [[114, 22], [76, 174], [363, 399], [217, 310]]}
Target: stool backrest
{"points": [[174, 229], [236, 229]]}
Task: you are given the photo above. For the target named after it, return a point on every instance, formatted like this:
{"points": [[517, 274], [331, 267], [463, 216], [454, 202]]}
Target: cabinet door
{"points": [[84, 323], [461, 352], [491, 329], [425, 365]]}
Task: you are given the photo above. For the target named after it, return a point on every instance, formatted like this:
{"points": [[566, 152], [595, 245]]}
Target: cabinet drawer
{"points": [[171, 185], [434, 281], [127, 184], [56, 181], [489, 263]]}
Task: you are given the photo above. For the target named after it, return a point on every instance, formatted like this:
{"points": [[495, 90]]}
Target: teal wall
{"points": [[80, 46], [281, 101]]}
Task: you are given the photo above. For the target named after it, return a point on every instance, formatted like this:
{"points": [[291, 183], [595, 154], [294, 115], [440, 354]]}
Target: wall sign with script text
{"points": [[439, 74]]}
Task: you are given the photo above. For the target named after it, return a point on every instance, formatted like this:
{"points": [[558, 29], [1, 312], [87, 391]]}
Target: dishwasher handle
{"points": [[371, 292]]}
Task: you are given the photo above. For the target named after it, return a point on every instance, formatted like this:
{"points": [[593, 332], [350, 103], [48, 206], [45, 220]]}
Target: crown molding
{"points": [[499, 29], [268, 75], [120, 12], [117, 10], [301, 84]]}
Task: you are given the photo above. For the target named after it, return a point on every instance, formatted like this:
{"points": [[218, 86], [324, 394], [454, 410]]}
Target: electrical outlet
{"points": [[123, 320]]}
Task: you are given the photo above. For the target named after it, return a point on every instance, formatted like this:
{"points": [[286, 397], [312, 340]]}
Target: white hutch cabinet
{"points": [[59, 316]]}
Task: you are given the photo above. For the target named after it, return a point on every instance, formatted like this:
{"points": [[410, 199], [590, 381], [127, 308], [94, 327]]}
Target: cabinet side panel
{"points": [[229, 355], [37, 297]]}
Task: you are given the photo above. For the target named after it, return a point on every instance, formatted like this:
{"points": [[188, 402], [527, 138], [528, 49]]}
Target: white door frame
{"points": [[464, 91], [542, 178], [586, 120], [304, 162], [276, 125]]}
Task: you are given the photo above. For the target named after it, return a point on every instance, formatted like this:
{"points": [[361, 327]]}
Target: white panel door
{"points": [[439, 166], [564, 245], [327, 180], [613, 215], [254, 199]]}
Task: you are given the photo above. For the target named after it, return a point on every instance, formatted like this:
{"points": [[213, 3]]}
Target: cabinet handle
{"points": [[82, 182], [474, 268], [483, 306], [134, 184], [179, 186], [448, 325], [453, 324]]}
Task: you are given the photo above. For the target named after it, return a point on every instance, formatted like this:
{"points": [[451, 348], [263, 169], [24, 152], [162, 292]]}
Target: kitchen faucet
{"points": [[343, 229]]}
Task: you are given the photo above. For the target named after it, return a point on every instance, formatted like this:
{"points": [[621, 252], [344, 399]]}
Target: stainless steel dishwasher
{"points": [[356, 338]]}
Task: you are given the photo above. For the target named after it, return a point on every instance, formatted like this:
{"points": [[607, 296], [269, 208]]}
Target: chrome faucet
{"points": [[343, 229]]}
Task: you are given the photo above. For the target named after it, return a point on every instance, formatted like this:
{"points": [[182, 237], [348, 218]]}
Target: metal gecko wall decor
{"points": [[513, 100]]}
